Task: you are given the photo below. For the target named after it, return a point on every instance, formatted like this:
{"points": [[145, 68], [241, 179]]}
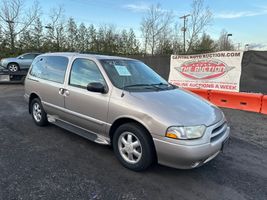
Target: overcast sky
{"points": [[245, 19]]}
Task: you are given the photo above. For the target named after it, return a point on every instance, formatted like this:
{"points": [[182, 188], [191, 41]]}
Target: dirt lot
{"points": [[51, 163]]}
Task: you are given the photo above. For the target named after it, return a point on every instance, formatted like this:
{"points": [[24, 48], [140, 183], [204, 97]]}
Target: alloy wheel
{"points": [[13, 68], [37, 112], [130, 147]]}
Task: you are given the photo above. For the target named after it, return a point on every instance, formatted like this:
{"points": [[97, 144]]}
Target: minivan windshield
{"points": [[133, 75]]}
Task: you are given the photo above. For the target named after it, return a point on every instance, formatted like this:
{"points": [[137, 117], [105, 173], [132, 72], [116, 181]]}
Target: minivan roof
{"points": [[96, 56]]}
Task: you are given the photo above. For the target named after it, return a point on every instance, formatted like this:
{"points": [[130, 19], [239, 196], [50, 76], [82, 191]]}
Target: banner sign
{"points": [[212, 71]]}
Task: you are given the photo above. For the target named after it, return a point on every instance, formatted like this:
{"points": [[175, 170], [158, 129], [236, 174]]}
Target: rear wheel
{"points": [[38, 114], [133, 147], [13, 67]]}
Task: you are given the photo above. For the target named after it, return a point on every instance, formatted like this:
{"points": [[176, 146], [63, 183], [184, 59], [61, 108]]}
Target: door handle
{"points": [[61, 91], [64, 92]]}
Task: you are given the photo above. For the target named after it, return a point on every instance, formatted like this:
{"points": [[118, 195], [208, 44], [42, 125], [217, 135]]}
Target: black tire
{"points": [[13, 67], [41, 120], [146, 145]]}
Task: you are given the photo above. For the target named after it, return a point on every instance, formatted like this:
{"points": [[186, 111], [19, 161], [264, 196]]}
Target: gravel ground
{"points": [[51, 163]]}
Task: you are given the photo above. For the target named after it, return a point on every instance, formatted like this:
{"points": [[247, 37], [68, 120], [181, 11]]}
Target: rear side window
{"points": [[52, 68], [29, 56], [85, 71]]}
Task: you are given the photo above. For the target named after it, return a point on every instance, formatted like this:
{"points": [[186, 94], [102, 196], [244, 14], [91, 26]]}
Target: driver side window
{"points": [[28, 56], [84, 71]]}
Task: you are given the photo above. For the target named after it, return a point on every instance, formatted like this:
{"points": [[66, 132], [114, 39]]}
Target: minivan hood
{"points": [[178, 107]]}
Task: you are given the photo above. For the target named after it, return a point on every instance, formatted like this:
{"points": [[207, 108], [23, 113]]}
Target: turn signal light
{"points": [[171, 135]]}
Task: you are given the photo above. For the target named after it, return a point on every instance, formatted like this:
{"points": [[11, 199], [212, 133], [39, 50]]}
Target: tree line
{"points": [[23, 30], [163, 35]]}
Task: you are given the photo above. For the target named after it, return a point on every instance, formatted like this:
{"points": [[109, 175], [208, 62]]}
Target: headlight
{"points": [[185, 133]]}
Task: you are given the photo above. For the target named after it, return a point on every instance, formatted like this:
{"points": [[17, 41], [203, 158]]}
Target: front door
{"points": [[86, 109], [26, 60]]}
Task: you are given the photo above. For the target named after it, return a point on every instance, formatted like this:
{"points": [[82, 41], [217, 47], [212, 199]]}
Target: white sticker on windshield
{"points": [[122, 70]]}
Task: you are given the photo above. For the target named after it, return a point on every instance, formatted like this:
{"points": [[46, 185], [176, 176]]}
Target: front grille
{"points": [[218, 132]]}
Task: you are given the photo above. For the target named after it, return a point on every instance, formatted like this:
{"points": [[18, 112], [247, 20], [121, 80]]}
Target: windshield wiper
{"points": [[137, 85], [165, 84], [154, 85], [146, 84]]}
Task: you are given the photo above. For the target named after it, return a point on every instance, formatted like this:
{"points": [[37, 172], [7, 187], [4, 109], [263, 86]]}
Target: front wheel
{"points": [[133, 147], [38, 114]]}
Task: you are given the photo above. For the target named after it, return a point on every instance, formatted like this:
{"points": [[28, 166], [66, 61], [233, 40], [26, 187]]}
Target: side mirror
{"points": [[96, 87], [21, 57]]}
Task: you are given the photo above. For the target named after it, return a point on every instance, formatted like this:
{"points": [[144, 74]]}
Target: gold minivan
{"points": [[124, 103]]}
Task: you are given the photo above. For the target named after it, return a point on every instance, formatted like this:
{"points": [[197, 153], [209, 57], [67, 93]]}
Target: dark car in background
{"points": [[21, 62]]}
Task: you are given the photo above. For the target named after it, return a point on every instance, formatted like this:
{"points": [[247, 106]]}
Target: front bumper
{"points": [[189, 154]]}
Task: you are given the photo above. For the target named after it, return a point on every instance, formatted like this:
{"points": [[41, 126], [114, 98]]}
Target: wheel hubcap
{"points": [[13, 68], [130, 147], [37, 112]]}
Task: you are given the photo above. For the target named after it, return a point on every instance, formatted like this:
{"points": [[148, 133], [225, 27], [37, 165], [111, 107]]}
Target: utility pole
{"points": [[184, 28]]}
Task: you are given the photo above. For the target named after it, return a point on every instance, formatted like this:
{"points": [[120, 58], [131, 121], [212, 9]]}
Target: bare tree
{"points": [[200, 18], [156, 22], [2, 38], [224, 43], [3, 44], [15, 19], [55, 29], [145, 24], [176, 39]]}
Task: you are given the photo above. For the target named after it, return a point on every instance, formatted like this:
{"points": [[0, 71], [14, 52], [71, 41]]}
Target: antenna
{"points": [[123, 86]]}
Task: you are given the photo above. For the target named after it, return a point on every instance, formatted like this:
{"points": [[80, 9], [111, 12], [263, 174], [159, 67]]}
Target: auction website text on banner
{"points": [[211, 71]]}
